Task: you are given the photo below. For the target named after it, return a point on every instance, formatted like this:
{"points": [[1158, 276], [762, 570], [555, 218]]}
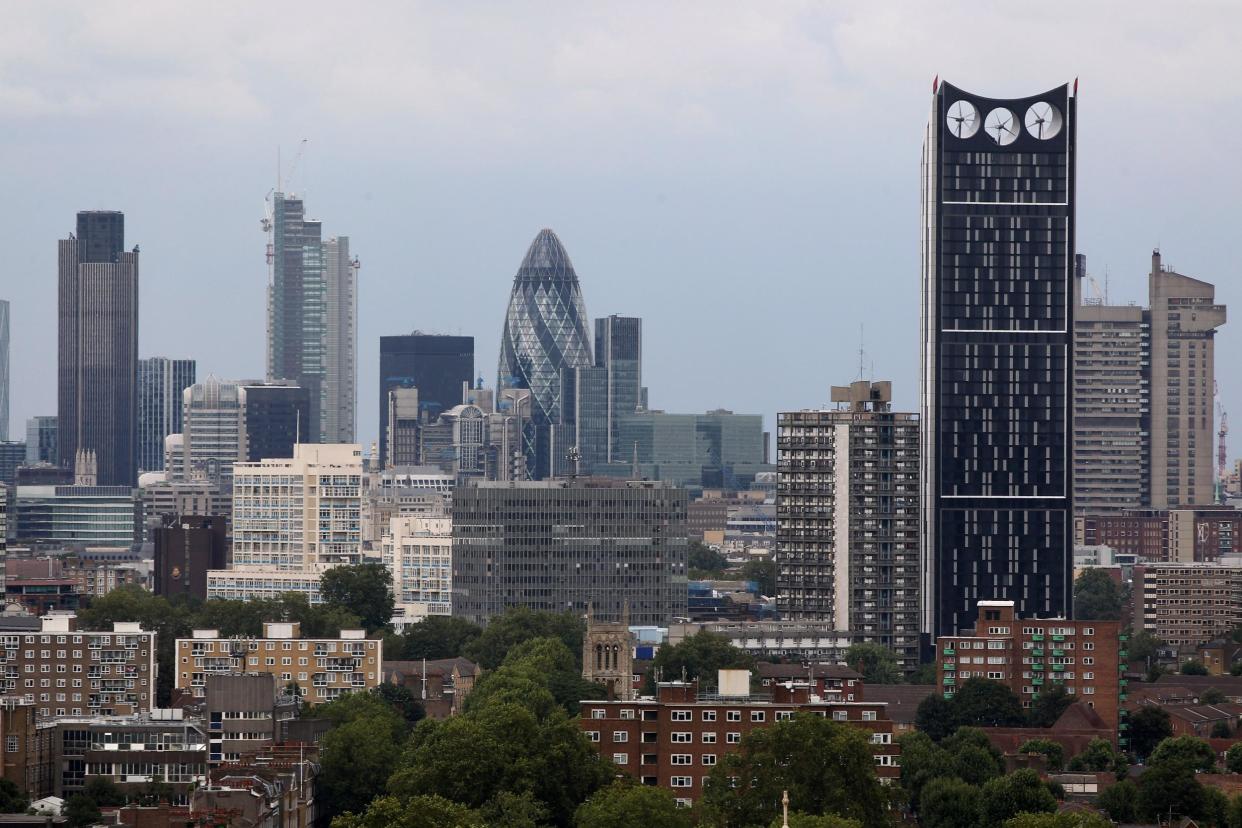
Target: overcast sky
{"points": [[744, 176]]}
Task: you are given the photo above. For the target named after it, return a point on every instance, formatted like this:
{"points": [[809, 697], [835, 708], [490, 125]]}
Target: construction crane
{"points": [[1222, 452]]}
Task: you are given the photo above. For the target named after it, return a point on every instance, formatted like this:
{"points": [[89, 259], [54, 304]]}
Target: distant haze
{"points": [[744, 176]]}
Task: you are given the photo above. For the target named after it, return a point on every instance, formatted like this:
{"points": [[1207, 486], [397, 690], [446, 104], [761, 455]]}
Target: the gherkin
{"points": [[545, 331]]}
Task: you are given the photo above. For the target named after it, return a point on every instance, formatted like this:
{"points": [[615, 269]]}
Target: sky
{"points": [[743, 176]]}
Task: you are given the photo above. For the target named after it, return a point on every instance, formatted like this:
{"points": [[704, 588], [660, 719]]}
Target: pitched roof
{"points": [[1079, 716], [903, 699], [799, 671]]}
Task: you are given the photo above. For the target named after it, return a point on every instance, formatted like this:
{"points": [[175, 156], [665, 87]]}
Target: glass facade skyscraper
{"points": [[997, 326], [545, 332], [619, 351], [436, 365], [4, 369], [161, 382]]}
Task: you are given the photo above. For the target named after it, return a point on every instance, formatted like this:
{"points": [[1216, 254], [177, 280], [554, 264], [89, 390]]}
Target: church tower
{"points": [[608, 654]]}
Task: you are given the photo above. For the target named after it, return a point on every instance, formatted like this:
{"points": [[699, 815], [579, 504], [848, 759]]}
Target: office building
{"points": [[276, 416], [1187, 604], [847, 518], [585, 420], [1143, 397], [715, 450], [1033, 655], [186, 547], [167, 749], [72, 672], [600, 543], [12, 456], [401, 446], [161, 384], [997, 326], [420, 491], [41, 440], [438, 366], [293, 519], [78, 516], [418, 551], [619, 351], [162, 499], [321, 668], [245, 714], [213, 430], [545, 332], [1184, 319], [4, 369], [340, 366], [456, 442], [1112, 407], [98, 348], [1202, 535], [674, 740]]}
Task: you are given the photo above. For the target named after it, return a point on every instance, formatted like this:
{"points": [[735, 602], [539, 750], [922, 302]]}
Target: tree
{"points": [[826, 767], [1099, 756], [950, 803], [539, 673], [436, 636], [1193, 753], [700, 656], [1076, 819], [13, 800], [923, 674], [1020, 792], [935, 717], [1193, 667], [81, 811], [1144, 645], [702, 558], [797, 819], [1213, 695], [763, 573], [1097, 597], [1169, 790], [1233, 758], [624, 804], [359, 753], [1220, 730], [983, 703], [1049, 748], [971, 756], [363, 589], [520, 624], [876, 662], [1050, 704], [415, 812], [1149, 726], [402, 701], [1233, 815], [1120, 802]]}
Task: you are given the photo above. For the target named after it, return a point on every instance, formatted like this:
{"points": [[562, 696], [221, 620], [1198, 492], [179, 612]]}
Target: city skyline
{"points": [[727, 251]]}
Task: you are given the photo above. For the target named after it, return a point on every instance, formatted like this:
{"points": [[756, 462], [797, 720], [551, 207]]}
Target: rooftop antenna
{"points": [[1106, 285]]}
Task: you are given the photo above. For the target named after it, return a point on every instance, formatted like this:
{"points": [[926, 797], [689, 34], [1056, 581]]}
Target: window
{"points": [[627, 713], [1088, 631], [709, 759], [995, 675], [733, 715], [681, 759], [682, 715], [733, 738], [756, 715], [680, 782], [620, 736], [1088, 660], [596, 713], [1088, 646], [620, 759], [593, 735], [708, 738], [1088, 691], [868, 715], [709, 715], [681, 738], [11, 744], [1088, 676], [784, 715], [840, 715]]}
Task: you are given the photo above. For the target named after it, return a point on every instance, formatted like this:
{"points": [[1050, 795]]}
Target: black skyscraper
{"points": [[997, 328], [98, 347], [435, 365], [276, 417]]}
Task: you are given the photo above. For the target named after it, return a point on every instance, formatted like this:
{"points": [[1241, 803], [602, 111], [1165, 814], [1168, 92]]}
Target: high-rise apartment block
{"points": [[313, 317], [1144, 380], [41, 440], [998, 180], [293, 519], [438, 366], [1187, 604], [545, 332], [4, 369], [161, 384], [98, 348], [1031, 656], [418, 551], [321, 668], [847, 518], [561, 546]]}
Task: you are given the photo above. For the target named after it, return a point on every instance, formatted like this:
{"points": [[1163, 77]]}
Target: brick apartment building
{"points": [[1189, 535], [65, 671], [322, 668], [1187, 605], [675, 739], [1031, 655]]}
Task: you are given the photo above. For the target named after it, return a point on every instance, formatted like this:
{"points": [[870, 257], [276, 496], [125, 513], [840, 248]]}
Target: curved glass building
{"points": [[545, 331]]}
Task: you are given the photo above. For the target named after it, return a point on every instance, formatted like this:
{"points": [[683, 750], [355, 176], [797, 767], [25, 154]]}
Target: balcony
{"points": [[1058, 638], [1038, 651], [950, 680], [1037, 637], [1038, 680], [1058, 652], [949, 651], [949, 666]]}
